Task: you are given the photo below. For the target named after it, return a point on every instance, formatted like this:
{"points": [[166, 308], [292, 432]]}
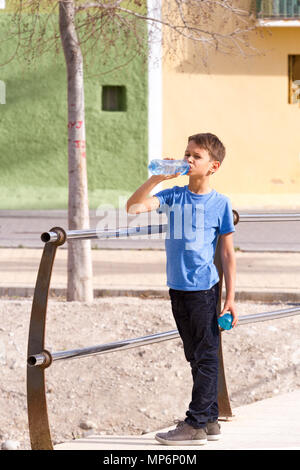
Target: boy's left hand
{"points": [[230, 307]]}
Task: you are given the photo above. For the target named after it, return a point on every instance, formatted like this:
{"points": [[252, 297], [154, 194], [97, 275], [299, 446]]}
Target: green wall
{"points": [[33, 124]]}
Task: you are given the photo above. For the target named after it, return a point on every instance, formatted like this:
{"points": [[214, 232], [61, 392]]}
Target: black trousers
{"points": [[195, 314]]}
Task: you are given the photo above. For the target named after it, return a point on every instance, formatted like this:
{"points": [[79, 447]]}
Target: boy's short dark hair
{"points": [[211, 143]]}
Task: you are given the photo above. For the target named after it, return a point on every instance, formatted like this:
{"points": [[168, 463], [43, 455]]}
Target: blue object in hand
{"points": [[225, 321], [168, 167]]}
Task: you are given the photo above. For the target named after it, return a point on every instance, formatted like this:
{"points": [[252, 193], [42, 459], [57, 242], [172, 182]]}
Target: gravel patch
{"points": [[138, 390]]}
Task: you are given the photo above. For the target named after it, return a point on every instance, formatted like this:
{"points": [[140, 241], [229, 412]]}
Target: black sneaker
{"points": [[213, 431], [182, 435]]}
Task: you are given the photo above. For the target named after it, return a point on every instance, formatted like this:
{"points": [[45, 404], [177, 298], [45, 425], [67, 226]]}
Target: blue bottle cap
{"points": [[225, 321]]}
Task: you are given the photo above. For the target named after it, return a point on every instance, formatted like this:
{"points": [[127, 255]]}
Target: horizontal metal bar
{"points": [[100, 234], [152, 229], [40, 359], [273, 315], [270, 217], [37, 360]]}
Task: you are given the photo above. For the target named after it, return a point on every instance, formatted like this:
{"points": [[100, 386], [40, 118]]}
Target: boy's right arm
{"points": [[140, 200]]}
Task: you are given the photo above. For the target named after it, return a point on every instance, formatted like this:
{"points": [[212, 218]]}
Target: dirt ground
{"points": [[138, 390]]}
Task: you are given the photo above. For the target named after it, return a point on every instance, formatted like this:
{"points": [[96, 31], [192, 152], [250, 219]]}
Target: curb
{"points": [[163, 293]]}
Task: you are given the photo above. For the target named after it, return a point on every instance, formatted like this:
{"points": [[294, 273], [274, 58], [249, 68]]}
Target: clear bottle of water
{"points": [[168, 167], [225, 321]]}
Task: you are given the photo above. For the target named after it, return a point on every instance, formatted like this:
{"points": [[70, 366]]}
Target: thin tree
{"points": [[80, 285], [98, 25]]}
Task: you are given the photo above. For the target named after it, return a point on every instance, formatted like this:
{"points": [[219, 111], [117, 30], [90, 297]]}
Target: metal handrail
{"points": [[162, 228], [270, 217], [115, 233], [46, 357], [39, 358]]}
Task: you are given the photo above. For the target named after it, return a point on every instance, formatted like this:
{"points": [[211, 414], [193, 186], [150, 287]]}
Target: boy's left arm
{"points": [[229, 269]]}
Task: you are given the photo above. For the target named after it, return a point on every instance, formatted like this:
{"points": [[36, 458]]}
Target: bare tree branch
{"points": [[101, 23]]}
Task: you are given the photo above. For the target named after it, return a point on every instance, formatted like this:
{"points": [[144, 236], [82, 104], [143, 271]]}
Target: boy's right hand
{"points": [[167, 177]]}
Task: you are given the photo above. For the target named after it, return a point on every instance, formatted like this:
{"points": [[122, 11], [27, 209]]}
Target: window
{"points": [[294, 79], [113, 98], [277, 8], [2, 92]]}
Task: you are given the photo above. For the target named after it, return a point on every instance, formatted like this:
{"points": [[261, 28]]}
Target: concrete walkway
{"points": [[261, 276], [267, 424]]}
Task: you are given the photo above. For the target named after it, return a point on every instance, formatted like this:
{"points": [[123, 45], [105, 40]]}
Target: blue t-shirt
{"points": [[194, 223]]}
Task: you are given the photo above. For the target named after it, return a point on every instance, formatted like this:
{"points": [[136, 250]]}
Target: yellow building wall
{"points": [[244, 101]]}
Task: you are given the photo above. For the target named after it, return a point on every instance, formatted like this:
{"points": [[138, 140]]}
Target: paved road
{"points": [[23, 229]]}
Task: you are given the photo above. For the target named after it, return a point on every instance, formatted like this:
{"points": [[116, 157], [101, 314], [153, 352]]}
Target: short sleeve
{"points": [[165, 198], [226, 224]]}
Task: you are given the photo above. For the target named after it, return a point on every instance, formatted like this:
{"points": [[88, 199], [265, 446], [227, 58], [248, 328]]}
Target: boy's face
{"points": [[199, 160]]}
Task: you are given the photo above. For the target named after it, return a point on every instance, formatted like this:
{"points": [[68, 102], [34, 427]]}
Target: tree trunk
{"points": [[79, 251]]}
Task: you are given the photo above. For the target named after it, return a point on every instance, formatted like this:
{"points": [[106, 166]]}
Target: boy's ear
{"points": [[215, 166]]}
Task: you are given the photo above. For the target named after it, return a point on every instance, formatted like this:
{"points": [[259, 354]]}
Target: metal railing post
{"points": [[39, 429]]}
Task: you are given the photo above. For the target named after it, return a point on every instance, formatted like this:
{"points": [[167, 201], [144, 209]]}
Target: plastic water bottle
{"points": [[225, 321], [168, 167]]}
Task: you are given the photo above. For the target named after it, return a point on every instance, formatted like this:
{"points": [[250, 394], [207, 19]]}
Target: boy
{"points": [[197, 215]]}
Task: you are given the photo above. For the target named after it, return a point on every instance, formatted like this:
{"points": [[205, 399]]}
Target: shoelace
{"points": [[179, 423]]}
